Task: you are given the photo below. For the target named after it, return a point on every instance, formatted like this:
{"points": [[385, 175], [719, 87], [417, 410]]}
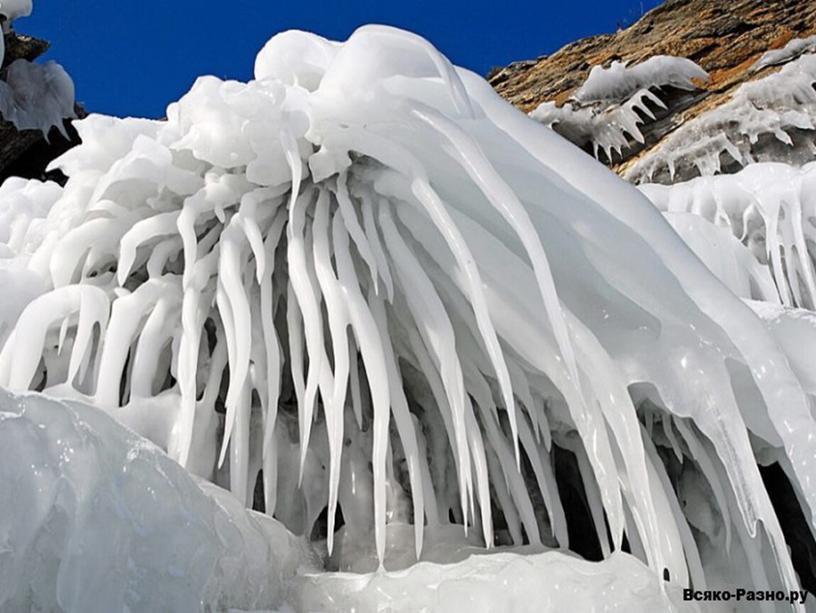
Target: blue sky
{"points": [[132, 57]]}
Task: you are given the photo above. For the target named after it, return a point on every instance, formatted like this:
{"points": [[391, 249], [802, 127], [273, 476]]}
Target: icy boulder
{"points": [[372, 289], [97, 519]]}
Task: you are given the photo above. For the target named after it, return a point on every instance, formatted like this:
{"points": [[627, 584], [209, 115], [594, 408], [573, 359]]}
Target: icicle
{"points": [[373, 236], [403, 421], [370, 344], [507, 203], [353, 226], [334, 405], [430, 316], [700, 455]]}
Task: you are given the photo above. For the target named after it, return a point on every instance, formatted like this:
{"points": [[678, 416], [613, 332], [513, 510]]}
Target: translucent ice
{"points": [[95, 518]]}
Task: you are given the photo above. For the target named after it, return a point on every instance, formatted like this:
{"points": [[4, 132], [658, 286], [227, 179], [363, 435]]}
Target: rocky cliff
{"points": [[725, 37]]}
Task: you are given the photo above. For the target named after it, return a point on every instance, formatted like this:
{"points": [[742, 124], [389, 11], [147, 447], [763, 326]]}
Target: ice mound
{"points": [[769, 210], [770, 119], [364, 286], [606, 112], [96, 518]]}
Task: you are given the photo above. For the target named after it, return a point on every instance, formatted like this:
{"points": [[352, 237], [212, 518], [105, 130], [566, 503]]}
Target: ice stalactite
{"points": [[368, 277]]}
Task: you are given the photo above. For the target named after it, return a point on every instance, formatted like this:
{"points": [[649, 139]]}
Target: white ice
{"points": [[757, 224], [368, 277], [619, 81], [607, 111], [792, 49], [772, 118]]}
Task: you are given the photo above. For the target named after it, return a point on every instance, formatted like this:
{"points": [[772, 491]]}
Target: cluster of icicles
{"points": [[772, 118], [769, 209], [609, 109], [365, 261]]}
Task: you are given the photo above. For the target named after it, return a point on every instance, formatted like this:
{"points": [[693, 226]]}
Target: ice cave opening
{"points": [[362, 289]]}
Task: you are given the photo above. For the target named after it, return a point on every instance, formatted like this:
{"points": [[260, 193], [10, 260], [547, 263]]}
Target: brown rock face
{"points": [[725, 37]]}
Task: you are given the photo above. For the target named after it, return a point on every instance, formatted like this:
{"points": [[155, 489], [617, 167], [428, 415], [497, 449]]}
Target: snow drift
{"points": [[364, 282]]}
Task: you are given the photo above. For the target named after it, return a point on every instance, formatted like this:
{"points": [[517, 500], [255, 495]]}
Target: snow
{"points": [[365, 282], [98, 519], [606, 112], [769, 119]]}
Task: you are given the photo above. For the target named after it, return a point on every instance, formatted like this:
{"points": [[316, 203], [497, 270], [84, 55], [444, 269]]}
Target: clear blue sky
{"points": [[132, 57]]}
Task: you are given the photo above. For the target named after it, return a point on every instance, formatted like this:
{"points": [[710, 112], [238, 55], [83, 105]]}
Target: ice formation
{"points": [[366, 278], [33, 96], [750, 227], [97, 519], [14, 9], [619, 82], [792, 50], [606, 111], [770, 119]]}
